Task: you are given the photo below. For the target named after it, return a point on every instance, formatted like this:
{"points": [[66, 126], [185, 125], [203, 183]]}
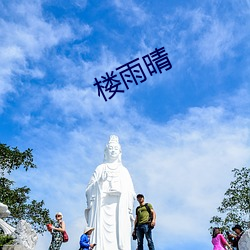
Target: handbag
{"points": [[49, 227], [65, 236]]}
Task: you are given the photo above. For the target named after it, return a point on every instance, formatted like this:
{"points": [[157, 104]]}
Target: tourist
{"points": [[56, 231], [218, 240], [85, 239], [144, 223], [239, 231]]}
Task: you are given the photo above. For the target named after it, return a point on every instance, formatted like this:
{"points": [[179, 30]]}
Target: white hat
{"points": [[87, 229], [59, 213]]}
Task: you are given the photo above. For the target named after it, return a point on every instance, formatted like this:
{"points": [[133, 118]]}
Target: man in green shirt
{"points": [[144, 223]]}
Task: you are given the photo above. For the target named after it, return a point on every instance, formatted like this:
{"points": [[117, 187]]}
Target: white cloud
{"points": [[198, 33], [82, 73], [85, 102], [32, 33], [198, 19], [73, 95], [131, 12], [106, 62], [25, 39], [239, 101], [217, 42], [80, 3], [10, 57]]}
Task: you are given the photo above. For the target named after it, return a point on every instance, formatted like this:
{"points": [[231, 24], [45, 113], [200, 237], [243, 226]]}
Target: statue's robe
{"points": [[110, 197]]}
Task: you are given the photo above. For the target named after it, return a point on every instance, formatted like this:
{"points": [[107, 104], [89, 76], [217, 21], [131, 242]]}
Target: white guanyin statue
{"points": [[110, 198]]}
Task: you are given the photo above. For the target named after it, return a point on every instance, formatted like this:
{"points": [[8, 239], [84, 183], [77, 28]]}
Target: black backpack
{"points": [[149, 212]]}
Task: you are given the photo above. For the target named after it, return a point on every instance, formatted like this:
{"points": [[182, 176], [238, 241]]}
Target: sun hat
{"points": [[59, 213], [87, 229]]}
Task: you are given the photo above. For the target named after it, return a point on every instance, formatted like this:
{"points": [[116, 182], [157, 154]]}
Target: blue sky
{"points": [[182, 131]]}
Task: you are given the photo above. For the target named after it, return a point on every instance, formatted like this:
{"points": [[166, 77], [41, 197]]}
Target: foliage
{"points": [[11, 159], [236, 204], [6, 240], [17, 199]]}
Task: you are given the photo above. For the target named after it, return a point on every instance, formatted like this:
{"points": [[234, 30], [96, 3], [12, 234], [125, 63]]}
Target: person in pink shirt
{"points": [[218, 240]]}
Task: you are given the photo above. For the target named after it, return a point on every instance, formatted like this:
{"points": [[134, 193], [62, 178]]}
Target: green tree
{"points": [[17, 199], [235, 206]]}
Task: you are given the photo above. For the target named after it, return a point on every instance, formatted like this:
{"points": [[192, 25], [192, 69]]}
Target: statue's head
{"points": [[113, 150]]}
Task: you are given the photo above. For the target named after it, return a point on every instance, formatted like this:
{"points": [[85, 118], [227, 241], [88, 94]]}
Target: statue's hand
{"points": [[104, 176]]}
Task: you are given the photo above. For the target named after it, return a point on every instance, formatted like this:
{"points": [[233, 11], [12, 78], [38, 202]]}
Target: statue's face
{"points": [[114, 150]]}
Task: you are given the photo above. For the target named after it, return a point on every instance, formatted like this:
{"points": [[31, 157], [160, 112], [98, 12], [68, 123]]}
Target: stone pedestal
{"points": [[13, 247]]}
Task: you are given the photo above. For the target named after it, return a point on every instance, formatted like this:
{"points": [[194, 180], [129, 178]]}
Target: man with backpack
{"points": [[144, 223]]}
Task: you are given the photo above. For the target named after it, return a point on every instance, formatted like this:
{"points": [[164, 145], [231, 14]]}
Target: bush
{"points": [[6, 240]]}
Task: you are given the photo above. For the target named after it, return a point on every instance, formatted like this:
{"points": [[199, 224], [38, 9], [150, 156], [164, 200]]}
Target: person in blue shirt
{"points": [[85, 239]]}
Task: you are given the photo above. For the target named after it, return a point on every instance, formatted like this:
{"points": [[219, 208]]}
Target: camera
{"points": [[134, 235]]}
